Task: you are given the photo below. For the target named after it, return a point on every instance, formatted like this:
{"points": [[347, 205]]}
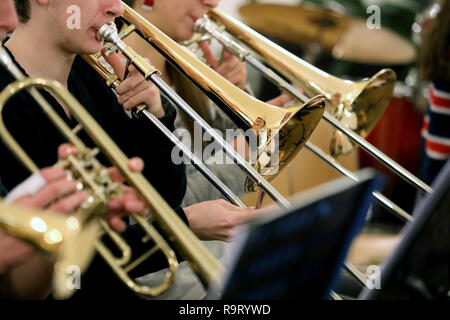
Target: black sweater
{"points": [[40, 139]]}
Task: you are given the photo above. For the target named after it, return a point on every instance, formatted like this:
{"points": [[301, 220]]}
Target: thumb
{"points": [[210, 59], [228, 55], [65, 150], [116, 63]]}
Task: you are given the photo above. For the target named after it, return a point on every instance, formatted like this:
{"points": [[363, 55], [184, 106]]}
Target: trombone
{"points": [[57, 237], [365, 100], [353, 108], [360, 98], [300, 121], [217, 87], [95, 178]]}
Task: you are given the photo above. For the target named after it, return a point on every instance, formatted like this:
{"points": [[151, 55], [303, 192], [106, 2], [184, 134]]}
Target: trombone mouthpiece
{"points": [[203, 24], [108, 33]]}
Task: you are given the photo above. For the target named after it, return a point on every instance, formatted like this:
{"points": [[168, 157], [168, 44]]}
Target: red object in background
{"points": [[148, 4], [398, 135]]}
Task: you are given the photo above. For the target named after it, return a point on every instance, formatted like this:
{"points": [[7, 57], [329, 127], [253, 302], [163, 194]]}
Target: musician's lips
{"points": [[194, 18], [94, 30]]}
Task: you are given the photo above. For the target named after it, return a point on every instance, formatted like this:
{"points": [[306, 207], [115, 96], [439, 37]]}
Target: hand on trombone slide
{"points": [[233, 69], [134, 90], [281, 100], [219, 219]]}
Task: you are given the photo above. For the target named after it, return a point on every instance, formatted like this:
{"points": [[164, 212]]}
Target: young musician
{"points": [[44, 46], [58, 60]]}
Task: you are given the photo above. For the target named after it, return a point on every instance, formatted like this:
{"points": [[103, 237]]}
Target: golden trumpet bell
{"points": [[62, 238]]}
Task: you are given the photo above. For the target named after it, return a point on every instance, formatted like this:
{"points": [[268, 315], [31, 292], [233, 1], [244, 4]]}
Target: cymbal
{"points": [[345, 37]]}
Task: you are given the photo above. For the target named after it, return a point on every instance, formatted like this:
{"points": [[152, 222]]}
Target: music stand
{"points": [[298, 253], [419, 267]]}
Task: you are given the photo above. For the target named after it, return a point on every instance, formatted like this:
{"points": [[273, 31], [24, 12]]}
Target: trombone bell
{"points": [[357, 105]]}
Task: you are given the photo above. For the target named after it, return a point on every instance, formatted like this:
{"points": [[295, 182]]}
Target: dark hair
{"points": [[23, 10], [434, 59]]}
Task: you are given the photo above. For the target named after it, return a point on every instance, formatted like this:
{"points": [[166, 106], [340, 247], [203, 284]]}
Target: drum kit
{"points": [[344, 37]]}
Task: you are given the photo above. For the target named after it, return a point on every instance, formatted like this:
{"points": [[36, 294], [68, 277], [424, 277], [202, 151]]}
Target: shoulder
{"points": [[16, 104]]}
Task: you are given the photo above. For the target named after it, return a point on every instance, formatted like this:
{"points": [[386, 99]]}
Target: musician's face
{"points": [[177, 17], [8, 18], [73, 24]]}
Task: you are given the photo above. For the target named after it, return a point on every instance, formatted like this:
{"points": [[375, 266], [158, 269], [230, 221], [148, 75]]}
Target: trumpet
{"points": [[85, 168], [60, 238]]}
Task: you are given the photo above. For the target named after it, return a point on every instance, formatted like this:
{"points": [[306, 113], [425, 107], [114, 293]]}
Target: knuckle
{"points": [[150, 91], [61, 206], [53, 188], [47, 172], [127, 105], [120, 89]]}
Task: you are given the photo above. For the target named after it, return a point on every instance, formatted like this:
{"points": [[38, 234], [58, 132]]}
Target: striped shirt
{"points": [[436, 132]]}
